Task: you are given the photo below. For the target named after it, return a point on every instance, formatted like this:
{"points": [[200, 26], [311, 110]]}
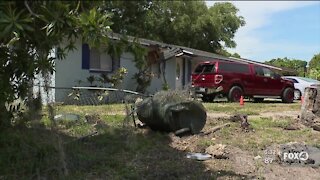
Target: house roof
{"points": [[171, 50], [170, 47]]}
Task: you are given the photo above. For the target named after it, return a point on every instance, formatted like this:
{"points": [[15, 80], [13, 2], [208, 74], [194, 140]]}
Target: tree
{"points": [[315, 62], [29, 33], [227, 54], [314, 67], [185, 23], [294, 64]]}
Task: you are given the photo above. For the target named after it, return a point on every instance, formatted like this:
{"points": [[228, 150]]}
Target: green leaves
{"points": [[139, 53], [314, 67], [30, 31], [185, 23], [315, 61], [294, 64], [13, 20], [95, 26]]}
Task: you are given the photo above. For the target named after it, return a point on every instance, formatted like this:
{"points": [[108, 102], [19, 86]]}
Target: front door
{"points": [[266, 82]]}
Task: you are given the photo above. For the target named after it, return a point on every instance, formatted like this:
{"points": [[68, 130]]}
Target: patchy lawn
{"points": [[251, 108], [117, 150]]}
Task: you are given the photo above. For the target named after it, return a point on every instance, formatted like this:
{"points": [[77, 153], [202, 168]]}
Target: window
{"points": [[100, 61], [95, 60], [233, 67], [205, 68], [263, 71]]}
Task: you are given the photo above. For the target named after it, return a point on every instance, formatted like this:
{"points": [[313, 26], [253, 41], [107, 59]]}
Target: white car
{"points": [[300, 83]]}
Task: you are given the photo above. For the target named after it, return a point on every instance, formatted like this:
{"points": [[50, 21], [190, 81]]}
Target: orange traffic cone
{"points": [[241, 101], [302, 99]]}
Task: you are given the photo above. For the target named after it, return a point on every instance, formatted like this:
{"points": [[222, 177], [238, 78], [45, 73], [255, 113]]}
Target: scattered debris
{"points": [[96, 121], [199, 156], [141, 125], [257, 157], [244, 123], [243, 119], [238, 117], [67, 116], [92, 118], [218, 151], [217, 128]]}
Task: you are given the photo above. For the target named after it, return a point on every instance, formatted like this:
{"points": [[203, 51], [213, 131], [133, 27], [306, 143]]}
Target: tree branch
{"points": [[29, 9]]}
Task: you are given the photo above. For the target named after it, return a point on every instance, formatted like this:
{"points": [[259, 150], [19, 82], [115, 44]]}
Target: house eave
{"points": [[171, 50]]}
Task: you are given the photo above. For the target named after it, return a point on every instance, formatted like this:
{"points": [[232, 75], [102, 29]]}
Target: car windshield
{"points": [[309, 80]]}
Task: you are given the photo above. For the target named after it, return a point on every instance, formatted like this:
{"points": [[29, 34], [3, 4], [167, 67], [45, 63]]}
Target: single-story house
{"points": [[83, 62]]}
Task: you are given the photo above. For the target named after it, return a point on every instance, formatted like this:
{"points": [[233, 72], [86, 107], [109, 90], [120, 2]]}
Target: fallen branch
{"points": [[217, 128]]}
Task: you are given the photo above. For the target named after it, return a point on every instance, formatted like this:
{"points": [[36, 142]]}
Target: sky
{"points": [[277, 29]]}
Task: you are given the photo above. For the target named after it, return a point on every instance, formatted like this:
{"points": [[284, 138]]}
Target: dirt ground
{"points": [[244, 162]]}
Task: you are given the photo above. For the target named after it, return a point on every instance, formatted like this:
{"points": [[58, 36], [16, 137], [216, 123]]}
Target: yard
{"points": [[119, 151]]}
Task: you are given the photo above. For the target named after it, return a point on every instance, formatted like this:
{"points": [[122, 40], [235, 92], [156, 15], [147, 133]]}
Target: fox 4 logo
{"points": [[295, 156]]}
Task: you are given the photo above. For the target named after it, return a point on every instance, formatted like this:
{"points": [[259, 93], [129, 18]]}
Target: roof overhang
{"points": [[170, 50]]}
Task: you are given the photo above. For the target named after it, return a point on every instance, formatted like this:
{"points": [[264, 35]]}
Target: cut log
{"points": [[310, 109]]}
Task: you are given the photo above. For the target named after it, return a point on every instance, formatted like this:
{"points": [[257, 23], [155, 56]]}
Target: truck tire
{"points": [[235, 94], [287, 95]]}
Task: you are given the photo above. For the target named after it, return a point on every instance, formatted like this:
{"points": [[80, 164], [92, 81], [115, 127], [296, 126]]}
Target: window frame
{"points": [[99, 70]]}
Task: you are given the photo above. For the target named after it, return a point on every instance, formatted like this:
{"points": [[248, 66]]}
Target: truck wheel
{"points": [[235, 94], [288, 95], [208, 98]]}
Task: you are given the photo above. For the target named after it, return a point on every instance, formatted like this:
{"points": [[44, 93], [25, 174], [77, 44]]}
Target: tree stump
{"points": [[310, 109]]}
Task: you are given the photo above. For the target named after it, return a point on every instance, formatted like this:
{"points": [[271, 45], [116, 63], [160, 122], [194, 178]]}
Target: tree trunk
{"points": [[310, 110]]}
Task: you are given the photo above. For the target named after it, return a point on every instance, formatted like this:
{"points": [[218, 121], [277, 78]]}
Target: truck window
{"points": [[263, 71], [233, 67], [205, 68]]}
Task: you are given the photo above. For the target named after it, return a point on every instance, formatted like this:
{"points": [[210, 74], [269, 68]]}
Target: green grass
{"points": [[122, 152], [101, 109], [251, 108]]}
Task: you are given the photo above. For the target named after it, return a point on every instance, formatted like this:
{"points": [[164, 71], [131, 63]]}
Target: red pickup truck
{"points": [[236, 79]]}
